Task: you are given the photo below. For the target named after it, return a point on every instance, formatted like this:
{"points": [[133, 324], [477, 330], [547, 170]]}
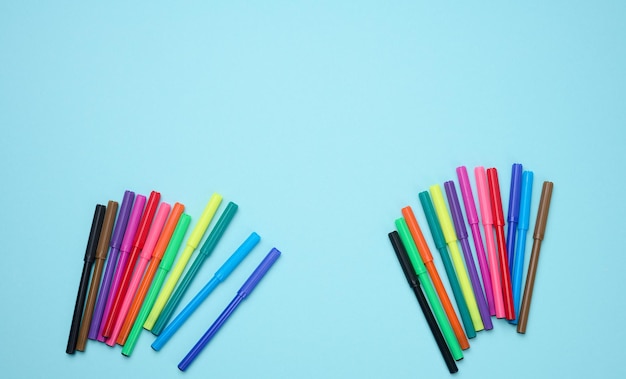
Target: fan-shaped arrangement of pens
{"points": [[139, 248], [501, 267]]}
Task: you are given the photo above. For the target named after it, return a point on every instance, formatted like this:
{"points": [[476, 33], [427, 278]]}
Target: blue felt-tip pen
{"points": [[243, 292], [513, 214], [522, 229], [221, 274]]}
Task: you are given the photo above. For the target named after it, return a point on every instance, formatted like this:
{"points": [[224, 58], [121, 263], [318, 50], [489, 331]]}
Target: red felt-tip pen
{"points": [[498, 222], [140, 240]]}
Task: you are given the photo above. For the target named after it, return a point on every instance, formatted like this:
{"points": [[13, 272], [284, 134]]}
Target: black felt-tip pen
{"points": [[411, 277], [90, 256]]}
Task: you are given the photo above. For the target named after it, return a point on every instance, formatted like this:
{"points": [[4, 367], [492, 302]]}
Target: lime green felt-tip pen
{"points": [[422, 274], [192, 244]]}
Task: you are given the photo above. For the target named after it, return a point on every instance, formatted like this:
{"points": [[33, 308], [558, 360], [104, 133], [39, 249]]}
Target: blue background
{"points": [[321, 120]]}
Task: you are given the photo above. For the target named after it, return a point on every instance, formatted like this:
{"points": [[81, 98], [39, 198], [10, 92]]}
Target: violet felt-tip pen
{"points": [[90, 256], [461, 232], [520, 243], [513, 214], [116, 242], [243, 292], [129, 236], [220, 275]]}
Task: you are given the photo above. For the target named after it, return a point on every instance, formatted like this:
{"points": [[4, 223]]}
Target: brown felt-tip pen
{"points": [[540, 229], [101, 255]]}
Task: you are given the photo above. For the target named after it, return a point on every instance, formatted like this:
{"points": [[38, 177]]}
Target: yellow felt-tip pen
{"points": [[179, 267], [451, 240]]}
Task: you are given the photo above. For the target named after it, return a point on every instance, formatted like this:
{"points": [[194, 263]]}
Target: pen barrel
{"points": [[210, 333], [505, 277], [461, 304], [466, 287], [510, 243], [128, 266], [103, 294], [484, 267], [518, 270], [148, 303], [138, 300], [78, 308], [434, 329], [522, 320], [89, 306], [492, 257], [439, 313], [179, 292], [475, 281], [180, 318]]}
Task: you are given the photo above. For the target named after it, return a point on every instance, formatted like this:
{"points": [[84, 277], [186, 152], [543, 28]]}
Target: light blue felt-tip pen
{"points": [[221, 274], [243, 292], [520, 243]]}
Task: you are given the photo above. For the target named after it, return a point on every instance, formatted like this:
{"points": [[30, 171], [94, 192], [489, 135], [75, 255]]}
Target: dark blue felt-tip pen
{"points": [[244, 291]]}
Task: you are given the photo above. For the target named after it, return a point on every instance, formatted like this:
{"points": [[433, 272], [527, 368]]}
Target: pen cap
{"points": [[133, 222], [175, 241], [155, 230], [416, 232], [483, 195], [242, 251], [542, 213], [442, 213], [526, 194], [409, 245], [403, 258], [122, 219], [431, 218], [496, 199], [146, 219], [107, 226], [219, 228], [94, 233], [259, 272], [455, 208], [516, 190], [168, 230], [468, 196], [203, 221]]}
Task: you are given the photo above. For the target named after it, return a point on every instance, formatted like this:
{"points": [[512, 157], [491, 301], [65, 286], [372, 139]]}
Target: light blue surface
{"points": [[321, 120]]}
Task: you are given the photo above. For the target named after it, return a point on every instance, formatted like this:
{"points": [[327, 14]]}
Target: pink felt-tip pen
{"points": [[144, 257], [484, 201], [472, 219], [127, 244]]}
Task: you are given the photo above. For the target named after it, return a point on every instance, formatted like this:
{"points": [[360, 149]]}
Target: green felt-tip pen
{"points": [[164, 268], [422, 274]]}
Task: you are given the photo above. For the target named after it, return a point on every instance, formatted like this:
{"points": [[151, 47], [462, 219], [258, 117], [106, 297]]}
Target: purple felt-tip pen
{"points": [[114, 249], [127, 243], [244, 291], [515, 197], [472, 219], [461, 232]]}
